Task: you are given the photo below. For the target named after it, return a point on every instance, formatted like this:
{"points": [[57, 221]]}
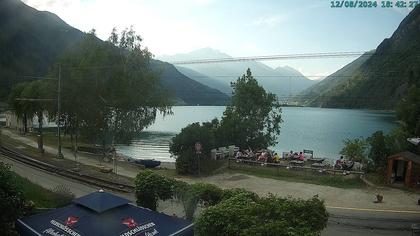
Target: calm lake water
{"points": [[320, 129]]}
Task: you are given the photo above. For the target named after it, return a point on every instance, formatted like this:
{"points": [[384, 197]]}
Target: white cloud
{"points": [[204, 2]]}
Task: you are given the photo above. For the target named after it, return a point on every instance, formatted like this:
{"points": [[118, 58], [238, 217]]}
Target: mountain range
{"points": [[31, 41], [282, 81], [378, 79]]}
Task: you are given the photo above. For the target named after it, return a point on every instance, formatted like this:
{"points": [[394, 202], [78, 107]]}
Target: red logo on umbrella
{"points": [[129, 222], [71, 220]]}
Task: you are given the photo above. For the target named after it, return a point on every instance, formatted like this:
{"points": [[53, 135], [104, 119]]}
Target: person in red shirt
{"points": [[301, 156]]}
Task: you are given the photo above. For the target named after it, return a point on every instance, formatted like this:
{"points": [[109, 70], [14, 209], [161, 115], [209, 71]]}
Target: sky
{"points": [[238, 27]]}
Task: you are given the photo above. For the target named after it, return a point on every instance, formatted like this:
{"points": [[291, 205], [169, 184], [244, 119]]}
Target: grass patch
{"points": [[301, 176], [43, 198], [171, 173], [376, 179]]}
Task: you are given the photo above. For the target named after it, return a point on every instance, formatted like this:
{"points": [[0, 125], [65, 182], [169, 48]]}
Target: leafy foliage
{"points": [[183, 145], [408, 111], [253, 118], [233, 211], [228, 193], [12, 204], [379, 150], [187, 163], [21, 108], [209, 194], [242, 215], [380, 146], [117, 101], [150, 187], [28, 101], [355, 149], [195, 132]]}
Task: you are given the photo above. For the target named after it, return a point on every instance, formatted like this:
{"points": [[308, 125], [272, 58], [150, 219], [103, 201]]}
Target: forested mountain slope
{"points": [[31, 41], [382, 79]]}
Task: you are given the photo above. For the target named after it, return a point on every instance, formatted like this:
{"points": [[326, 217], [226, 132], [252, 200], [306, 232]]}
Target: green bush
{"points": [[209, 194], [195, 132], [228, 193], [186, 163], [240, 214], [183, 146], [355, 149], [12, 204], [150, 187], [192, 195]]}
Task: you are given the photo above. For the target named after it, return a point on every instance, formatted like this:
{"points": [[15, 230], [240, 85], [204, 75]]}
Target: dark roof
{"points": [[407, 155], [127, 219], [101, 201]]}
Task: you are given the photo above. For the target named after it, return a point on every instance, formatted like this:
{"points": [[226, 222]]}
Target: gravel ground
{"points": [[394, 199]]}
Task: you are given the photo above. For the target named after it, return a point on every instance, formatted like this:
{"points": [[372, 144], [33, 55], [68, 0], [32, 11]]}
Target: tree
{"points": [[397, 141], [197, 194], [19, 107], [408, 111], [34, 107], [253, 118], [109, 90], [355, 149], [12, 204], [150, 187], [183, 144], [195, 132], [379, 150]]}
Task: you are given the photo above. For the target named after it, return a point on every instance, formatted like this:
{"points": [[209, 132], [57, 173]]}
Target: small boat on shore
{"points": [[148, 163]]}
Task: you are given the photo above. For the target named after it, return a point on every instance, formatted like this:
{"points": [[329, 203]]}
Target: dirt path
{"points": [[394, 199]]}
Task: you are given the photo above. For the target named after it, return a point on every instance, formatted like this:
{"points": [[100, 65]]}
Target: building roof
{"points": [[407, 155], [101, 201]]}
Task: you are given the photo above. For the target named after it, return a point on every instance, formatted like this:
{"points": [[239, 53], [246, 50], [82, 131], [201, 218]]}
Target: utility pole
{"points": [[59, 155]]}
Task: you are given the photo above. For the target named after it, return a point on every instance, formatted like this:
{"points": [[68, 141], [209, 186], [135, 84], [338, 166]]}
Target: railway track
{"points": [[91, 180]]}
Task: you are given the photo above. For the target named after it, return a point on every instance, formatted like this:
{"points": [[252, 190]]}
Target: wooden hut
{"points": [[404, 167]]}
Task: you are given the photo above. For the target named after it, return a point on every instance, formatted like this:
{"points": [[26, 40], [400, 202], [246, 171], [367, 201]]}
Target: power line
{"points": [[276, 57]]}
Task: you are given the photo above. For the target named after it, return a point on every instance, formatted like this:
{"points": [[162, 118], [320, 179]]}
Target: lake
{"points": [[319, 129]]}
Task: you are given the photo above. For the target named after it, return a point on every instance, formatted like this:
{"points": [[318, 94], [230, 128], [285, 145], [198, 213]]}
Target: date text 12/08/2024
{"points": [[374, 4]]}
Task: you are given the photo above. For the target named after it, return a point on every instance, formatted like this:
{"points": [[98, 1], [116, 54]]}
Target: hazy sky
{"points": [[237, 27]]}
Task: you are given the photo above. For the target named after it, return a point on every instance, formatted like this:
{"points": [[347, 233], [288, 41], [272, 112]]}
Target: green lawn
{"points": [[338, 180], [43, 198], [50, 138]]}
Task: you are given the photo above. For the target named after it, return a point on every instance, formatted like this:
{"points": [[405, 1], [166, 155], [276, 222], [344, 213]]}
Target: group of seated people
{"points": [[342, 164], [261, 156], [296, 156]]}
